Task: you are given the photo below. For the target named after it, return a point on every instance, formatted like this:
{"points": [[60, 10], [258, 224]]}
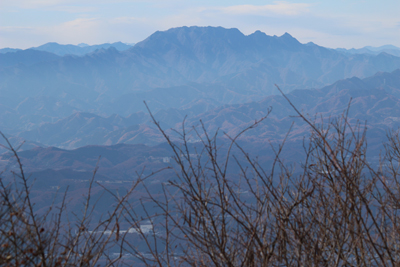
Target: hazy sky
{"points": [[330, 23]]}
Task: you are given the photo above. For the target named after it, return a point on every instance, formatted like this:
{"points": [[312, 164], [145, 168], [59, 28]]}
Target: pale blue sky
{"points": [[330, 23]]}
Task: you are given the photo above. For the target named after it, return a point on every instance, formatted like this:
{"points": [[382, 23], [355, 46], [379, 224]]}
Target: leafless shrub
{"points": [[339, 210], [31, 238]]}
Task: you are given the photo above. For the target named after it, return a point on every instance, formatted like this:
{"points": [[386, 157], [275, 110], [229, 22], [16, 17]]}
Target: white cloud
{"points": [[87, 29], [127, 20], [37, 4], [34, 3], [279, 8], [73, 9], [19, 37]]}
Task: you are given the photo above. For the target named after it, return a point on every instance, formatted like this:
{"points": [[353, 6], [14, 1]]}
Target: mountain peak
{"points": [[287, 35], [258, 33], [289, 39], [194, 37], [51, 43]]}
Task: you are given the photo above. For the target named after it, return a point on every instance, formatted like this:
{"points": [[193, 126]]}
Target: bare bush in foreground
{"points": [[335, 210], [339, 211], [32, 238]]}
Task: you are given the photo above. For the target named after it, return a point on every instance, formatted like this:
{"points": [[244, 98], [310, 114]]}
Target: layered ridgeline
{"points": [[171, 69], [375, 100], [121, 141]]}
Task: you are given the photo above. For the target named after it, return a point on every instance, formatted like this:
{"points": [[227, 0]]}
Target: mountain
{"points": [[53, 171], [382, 48], [27, 57], [69, 49], [244, 68], [82, 129], [18, 143], [117, 162], [256, 61], [28, 113], [79, 50], [195, 71], [374, 99], [389, 49], [7, 50], [179, 97]]}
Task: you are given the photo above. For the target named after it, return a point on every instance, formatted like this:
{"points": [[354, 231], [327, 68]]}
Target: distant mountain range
{"points": [[188, 68], [73, 104], [215, 74], [389, 49], [78, 50], [375, 99], [120, 141], [22, 58], [119, 161]]}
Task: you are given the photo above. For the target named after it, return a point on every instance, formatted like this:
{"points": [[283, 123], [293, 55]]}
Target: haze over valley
{"points": [[109, 117]]}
